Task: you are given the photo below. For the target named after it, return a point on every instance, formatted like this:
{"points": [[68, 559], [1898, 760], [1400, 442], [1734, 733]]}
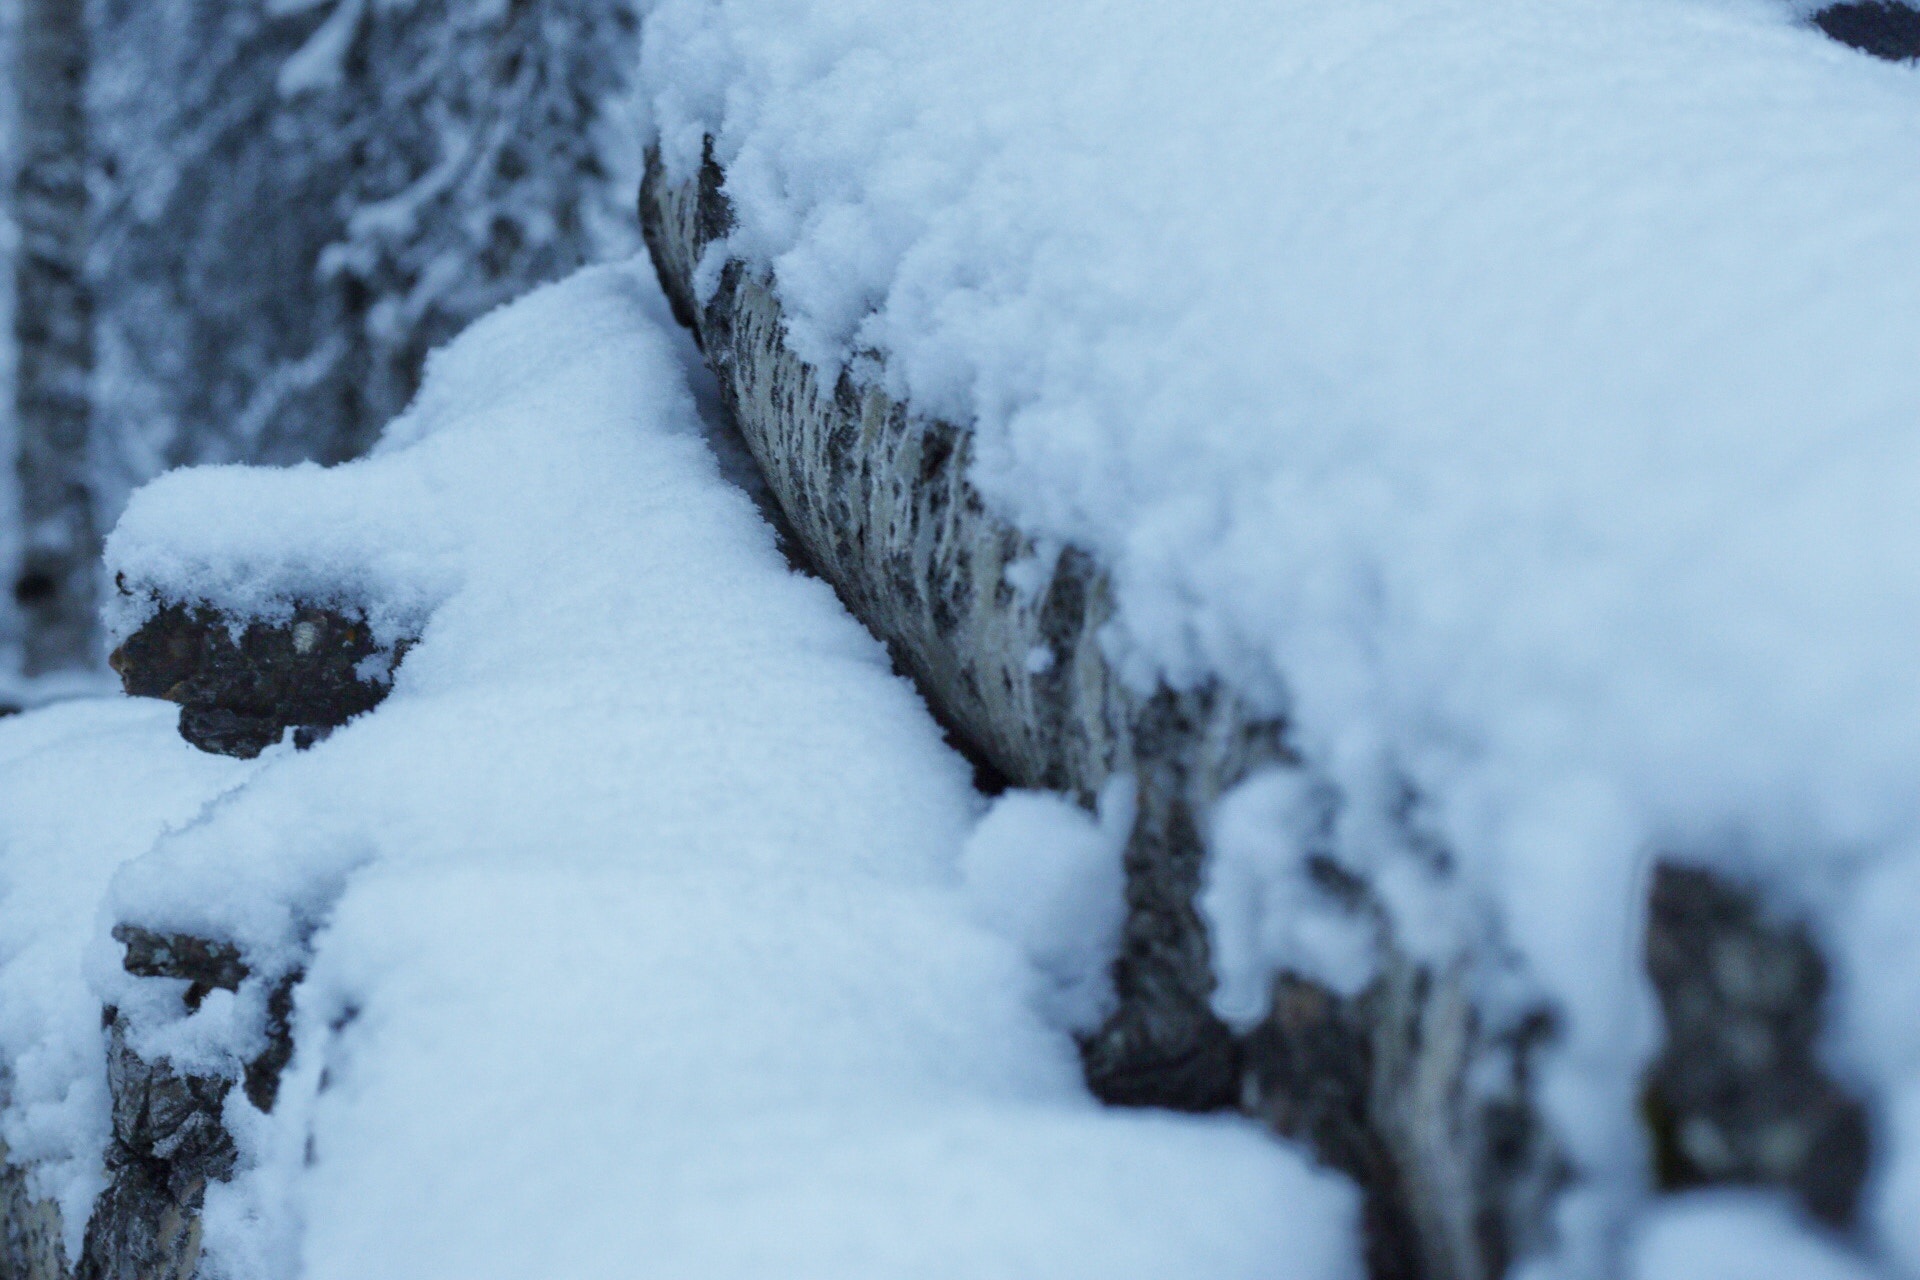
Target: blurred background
{"points": [[231, 230]]}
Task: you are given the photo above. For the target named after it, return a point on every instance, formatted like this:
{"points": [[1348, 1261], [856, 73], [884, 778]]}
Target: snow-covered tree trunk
{"points": [[53, 330]]}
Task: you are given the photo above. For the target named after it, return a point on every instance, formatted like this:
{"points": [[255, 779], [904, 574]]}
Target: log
{"points": [[877, 496]]}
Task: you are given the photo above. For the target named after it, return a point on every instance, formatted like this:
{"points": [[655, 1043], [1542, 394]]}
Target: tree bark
{"points": [[53, 330]]}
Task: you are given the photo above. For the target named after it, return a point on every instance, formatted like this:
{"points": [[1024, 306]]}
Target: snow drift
{"points": [[632, 924]]}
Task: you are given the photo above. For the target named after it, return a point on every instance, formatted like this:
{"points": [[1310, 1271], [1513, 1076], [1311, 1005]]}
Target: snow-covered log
{"points": [[1409, 1084], [1005, 639]]}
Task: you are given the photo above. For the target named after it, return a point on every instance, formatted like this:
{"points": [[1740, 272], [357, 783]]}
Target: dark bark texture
{"points": [[1738, 1095], [169, 1135], [239, 695], [1890, 31], [168, 1144]]}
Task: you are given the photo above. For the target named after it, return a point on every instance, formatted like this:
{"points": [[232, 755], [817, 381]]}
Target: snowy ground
{"points": [[646, 926]]}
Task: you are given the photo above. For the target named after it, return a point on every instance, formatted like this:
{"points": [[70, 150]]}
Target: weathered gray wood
{"points": [[168, 1144]]}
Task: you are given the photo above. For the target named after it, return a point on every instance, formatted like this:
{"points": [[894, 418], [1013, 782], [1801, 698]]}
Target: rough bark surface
{"points": [[879, 502], [168, 1144], [241, 685], [1738, 1095], [1890, 31], [53, 335]]}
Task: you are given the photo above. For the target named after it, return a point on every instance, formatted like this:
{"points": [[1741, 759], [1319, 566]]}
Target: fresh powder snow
{"points": [[648, 927], [1735, 1235], [1519, 395]]}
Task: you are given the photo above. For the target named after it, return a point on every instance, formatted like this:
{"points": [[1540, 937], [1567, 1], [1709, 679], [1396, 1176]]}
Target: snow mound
{"points": [[1047, 876], [633, 924]]}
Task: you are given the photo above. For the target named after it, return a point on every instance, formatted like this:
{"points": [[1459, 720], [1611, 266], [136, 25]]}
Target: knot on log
{"points": [[241, 684]]}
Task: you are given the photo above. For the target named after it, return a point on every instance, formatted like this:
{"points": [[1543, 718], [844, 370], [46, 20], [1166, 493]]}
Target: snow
{"points": [[641, 925], [1517, 394], [1264, 911], [1045, 875], [1732, 1235]]}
